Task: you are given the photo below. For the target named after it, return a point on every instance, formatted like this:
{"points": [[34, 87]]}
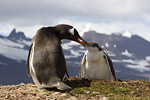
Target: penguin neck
{"points": [[94, 56], [59, 31], [58, 34]]}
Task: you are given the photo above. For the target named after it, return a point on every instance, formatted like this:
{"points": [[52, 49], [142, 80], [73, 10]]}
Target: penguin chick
{"points": [[96, 64]]}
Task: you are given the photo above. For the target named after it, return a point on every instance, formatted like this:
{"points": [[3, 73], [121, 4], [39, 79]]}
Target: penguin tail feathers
{"points": [[62, 86]]}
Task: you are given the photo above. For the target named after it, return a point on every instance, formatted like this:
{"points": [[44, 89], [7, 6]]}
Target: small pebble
{"points": [[72, 98], [104, 98], [64, 94], [55, 93], [7, 96], [96, 93], [53, 99], [87, 92]]}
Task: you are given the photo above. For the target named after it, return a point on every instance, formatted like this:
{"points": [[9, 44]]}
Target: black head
{"points": [[68, 32], [93, 45]]}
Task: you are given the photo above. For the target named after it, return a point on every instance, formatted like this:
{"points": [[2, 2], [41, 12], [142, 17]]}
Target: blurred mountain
{"points": [[130, 55], [13, 58], [17, 35]]}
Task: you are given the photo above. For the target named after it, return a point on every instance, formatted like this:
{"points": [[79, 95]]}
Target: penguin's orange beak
{"points": [[81, 41]]}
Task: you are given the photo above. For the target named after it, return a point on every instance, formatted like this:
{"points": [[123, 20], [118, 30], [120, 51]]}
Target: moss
{"points": [[129, 98], [115, 90], [78, 91], [103, 89]]}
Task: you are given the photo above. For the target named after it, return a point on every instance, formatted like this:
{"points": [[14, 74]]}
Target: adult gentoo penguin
{"points": [[46, 62], [96, 64]]}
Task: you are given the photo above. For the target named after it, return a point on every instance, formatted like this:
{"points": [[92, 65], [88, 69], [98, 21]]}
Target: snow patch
{"points": [[6, 42], [106, 44], [81, 47], [139, 65], [148, 58], [102, 46], [67, 46], [115, 46], [110, 53], [75, 54], [25, 42], [13, 53], [115, 60], [126, 53], [126, 34]]}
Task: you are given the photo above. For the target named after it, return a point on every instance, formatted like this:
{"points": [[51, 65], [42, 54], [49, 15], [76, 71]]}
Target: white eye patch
{"points": [[72, 31]]}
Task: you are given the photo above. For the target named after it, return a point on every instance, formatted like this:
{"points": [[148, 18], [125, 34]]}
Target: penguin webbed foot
{"points": [[64, 87]]}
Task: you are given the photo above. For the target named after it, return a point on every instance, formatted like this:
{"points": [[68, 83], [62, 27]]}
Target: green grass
{"points": [[114, 90], [107, 89], [103, 89], [129, 98]]}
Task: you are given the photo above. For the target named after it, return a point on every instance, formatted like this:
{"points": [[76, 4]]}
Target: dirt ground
{"points": [[81, 90]]}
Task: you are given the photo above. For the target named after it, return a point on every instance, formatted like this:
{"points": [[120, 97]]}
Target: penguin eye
{"points": [[95, 45]]}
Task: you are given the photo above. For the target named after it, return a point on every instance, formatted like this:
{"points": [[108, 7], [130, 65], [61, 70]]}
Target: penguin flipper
{"points": [[110, 64], [28, 63], [82, 65]]}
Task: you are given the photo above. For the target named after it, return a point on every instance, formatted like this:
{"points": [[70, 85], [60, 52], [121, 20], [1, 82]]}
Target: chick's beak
{"points": [[81, 41]]}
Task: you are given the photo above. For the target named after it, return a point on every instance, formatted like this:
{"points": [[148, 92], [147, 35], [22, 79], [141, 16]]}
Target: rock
{"points": [[87, 92], [55, 93], [64, 94], [7, 96], [96, 93], [72, 98], [105, 98]]}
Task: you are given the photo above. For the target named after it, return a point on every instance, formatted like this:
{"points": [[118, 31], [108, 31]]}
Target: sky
{"points": [[103, 16]]}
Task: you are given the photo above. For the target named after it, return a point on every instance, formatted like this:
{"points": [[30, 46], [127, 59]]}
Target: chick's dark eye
{"points": [[71, 35]]}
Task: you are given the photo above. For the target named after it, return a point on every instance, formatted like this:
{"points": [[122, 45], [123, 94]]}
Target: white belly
{"points": [[96, 67]]}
